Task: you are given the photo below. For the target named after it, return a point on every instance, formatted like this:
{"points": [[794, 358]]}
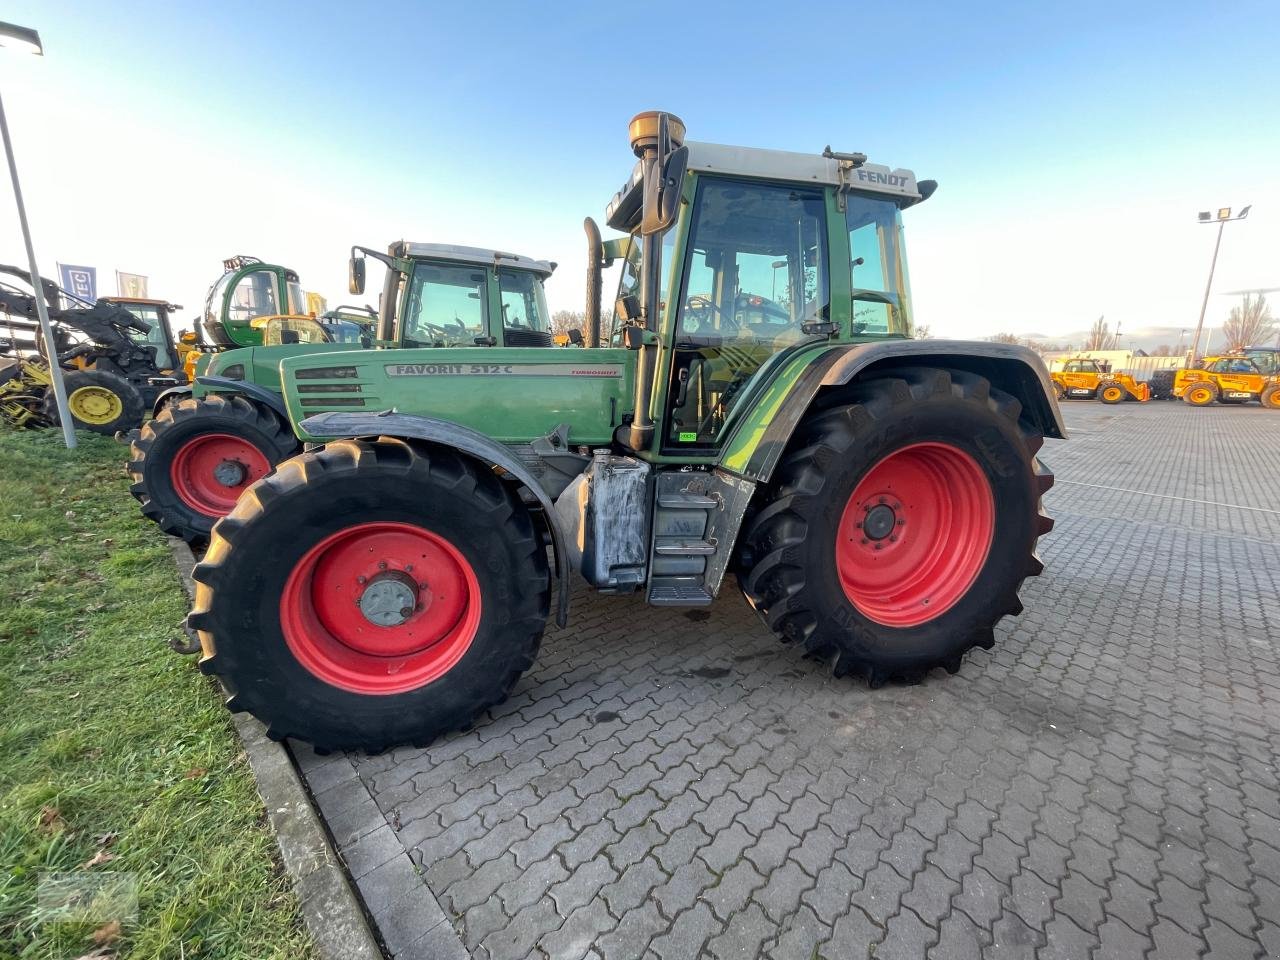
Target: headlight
{"points": [[233, 372]]}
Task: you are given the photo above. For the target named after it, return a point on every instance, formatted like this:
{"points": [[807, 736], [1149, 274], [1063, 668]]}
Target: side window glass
{"points": [[878, 269], [446, 306], [254, 296]]}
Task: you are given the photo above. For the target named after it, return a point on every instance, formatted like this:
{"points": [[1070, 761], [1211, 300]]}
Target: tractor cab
{"points": [[1086, 366], [248, 289], [157, 314]]}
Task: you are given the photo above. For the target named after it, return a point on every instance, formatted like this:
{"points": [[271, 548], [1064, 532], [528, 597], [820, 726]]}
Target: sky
{"points": [[1073, 143]]}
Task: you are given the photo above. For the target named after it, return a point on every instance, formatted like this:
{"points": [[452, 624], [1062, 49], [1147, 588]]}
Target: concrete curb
{"points": [[330, 908]]}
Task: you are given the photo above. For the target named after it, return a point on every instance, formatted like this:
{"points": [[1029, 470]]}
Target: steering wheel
{"points": [[703, 310]]}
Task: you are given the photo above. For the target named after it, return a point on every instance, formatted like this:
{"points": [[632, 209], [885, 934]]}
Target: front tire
{"points": [[369, 594], [100, 402], [1271, 397], [1200, 394], [900, 524], [191, 463], [1111, 393]]}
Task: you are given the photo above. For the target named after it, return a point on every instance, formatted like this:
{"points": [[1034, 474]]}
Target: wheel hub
{"points": [[879, 522], [389, 600], [230, 473]]}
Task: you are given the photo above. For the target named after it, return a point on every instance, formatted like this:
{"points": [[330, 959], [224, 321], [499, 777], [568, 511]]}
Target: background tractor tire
{"points": [[1200, 394], [1271, 397], [1161, 383], [1111, 392], [1059, 391], [100, 402], [286, 605], [191, 463], [831, 566]]}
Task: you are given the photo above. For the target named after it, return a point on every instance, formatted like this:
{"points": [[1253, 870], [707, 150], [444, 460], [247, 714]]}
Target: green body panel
{"points": [[511, 394], [261, 364]]}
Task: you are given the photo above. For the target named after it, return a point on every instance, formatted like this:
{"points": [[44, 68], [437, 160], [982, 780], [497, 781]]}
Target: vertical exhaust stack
{"points": [[595, 261]]}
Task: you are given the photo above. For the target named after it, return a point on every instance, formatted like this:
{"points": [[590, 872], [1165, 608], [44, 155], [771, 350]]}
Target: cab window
{"points": [[254, 296], [446, 306], [755, 275], [155, 337], [523, 306], [878, 266]]}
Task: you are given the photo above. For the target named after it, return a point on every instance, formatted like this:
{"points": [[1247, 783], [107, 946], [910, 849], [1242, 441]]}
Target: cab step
{"points": [[678, 592], [674, 547]]}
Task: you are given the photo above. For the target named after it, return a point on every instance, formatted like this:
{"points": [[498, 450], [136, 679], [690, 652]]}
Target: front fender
{"points": [[172, 394], [1014, 369], [268, 398], [464, 439]]}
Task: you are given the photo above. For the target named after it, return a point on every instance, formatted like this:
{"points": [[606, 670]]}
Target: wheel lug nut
{"points": [[879, 546], [893, 539], [360, 580], [901, 522], [883, 500], [864, 540], [382, 564]]}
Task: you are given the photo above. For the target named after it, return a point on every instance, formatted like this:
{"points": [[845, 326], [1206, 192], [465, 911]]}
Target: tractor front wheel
{"points": [[372, 594], [900, 524], [1271, 397], [191, 463], [98, 401]]}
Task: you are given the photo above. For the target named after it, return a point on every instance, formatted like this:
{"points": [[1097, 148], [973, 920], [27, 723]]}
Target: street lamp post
{"points": [[1222, 219], [26, 39]]}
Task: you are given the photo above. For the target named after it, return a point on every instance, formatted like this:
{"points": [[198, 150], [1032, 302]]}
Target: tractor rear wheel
{"points": [[1200, 394], [99, 401], [1111, 392], [369, 594], [1271, 397], [900, 524], [191, 463]]}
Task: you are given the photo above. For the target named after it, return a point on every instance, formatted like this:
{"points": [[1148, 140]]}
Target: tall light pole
{"points": [[1222, 219], [28, 41]]}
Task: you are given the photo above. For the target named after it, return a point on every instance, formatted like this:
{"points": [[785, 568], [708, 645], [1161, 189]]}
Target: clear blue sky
{"points": [[1073, 142]]}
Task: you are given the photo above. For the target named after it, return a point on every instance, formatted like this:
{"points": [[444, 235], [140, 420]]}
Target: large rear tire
{"points": [[1111, 392], [1271, 397], [192, 462], [372, 594], [900, 524], [99, 401], [1201, 393]]}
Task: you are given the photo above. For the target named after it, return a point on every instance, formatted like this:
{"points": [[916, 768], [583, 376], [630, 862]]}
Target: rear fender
{"points": [[1014, 369], [465, 440]]}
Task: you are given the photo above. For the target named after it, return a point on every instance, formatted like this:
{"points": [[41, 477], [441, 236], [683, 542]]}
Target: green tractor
{"points": [[760, 408], [207, 444]]}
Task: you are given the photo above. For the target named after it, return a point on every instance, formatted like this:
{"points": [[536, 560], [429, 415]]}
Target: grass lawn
{"points": [[116, 755]]}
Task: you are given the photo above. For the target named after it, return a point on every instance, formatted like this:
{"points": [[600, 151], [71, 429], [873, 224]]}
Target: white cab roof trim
{"points": [[478, 255], [799, 167]]}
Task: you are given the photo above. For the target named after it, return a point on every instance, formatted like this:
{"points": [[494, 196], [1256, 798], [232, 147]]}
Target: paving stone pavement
{"points": [[674, 783]]}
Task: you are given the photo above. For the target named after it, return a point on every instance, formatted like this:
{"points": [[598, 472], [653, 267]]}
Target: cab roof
{"points": [[478, 255], [800, 167]]}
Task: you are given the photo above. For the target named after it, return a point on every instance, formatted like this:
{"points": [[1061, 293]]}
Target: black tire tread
{"points": [[774, 581], [415, 461]]}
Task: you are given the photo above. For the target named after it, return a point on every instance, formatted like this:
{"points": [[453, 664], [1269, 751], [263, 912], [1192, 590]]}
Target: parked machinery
{"points": [[1084, 378], [1231, 379]]}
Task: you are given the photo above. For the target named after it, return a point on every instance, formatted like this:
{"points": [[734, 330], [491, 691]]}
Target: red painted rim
{"points": [[937, 507], [196, 465], [329, 633]]}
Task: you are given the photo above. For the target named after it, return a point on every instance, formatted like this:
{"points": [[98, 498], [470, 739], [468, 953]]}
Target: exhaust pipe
{"points": [[595, 257]]}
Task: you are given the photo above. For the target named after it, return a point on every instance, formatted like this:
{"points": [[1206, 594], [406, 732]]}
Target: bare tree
{"points": [[923, 331], [1164, 350], [1250, 323], [1005, 338], [1100, 336], [562, 321]]}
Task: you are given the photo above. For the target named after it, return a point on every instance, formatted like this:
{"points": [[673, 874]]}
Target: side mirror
{"points": [[575, 337], [355, 275], [627, 308], [188, 337], [633, 337], [669, 186]]}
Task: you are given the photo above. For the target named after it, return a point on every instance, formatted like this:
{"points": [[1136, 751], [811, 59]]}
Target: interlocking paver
{"points": [[1101, 782]]}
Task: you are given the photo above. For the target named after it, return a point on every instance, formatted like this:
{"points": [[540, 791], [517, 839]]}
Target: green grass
{"points": [[103, 730]]}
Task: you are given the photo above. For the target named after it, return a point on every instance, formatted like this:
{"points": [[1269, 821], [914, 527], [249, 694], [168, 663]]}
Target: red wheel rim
{"points": [[915, 534], [209, 472], [380, 608]]}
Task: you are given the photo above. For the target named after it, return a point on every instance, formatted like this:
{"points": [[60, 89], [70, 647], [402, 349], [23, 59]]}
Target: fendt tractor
{"points": [[192, 461], [1083, 378], [877, 497], [1235, 378]]}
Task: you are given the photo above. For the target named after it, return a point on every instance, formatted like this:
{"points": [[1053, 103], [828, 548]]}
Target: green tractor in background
{"points": [[208, 442], [760, 408]]}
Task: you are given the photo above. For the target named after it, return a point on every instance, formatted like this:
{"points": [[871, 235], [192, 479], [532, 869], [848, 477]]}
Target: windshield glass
{"points": [[524, 306], [446, 306], [155, 337], [213, 303], [343, 331], [297, 299], [881, 291]]}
